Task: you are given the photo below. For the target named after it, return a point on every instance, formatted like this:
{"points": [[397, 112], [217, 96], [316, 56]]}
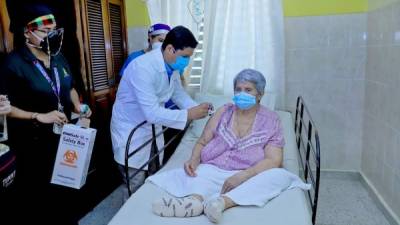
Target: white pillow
{"points": [[268, 101]]}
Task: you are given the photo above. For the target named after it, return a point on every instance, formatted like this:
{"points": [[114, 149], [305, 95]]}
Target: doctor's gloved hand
{"points": [[198, 112]]}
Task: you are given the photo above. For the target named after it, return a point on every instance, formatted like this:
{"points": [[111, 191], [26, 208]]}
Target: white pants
{"points": [[257, 190]]}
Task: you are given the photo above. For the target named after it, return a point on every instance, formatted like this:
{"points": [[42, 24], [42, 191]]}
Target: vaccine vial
{"points": [[57, 128], [84, 109], [3, 125], [3, 128], [211, 110]]}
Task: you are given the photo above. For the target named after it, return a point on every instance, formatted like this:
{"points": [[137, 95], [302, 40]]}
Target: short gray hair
{"points": [[253, 76]]}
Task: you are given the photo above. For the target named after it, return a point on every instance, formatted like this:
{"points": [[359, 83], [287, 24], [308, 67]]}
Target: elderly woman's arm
{"points": [[191, 165], [273, 159]]}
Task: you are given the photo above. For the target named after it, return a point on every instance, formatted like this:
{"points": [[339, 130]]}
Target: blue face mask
{"points": [[180, 63], [244, 100]]}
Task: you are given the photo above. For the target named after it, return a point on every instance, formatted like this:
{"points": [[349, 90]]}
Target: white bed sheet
{"points": [[289, 208]]}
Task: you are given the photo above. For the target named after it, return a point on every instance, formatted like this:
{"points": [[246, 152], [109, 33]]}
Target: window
{"points": [[197, 65]]}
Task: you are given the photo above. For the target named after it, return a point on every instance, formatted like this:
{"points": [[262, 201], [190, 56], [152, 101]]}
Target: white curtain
{"points": [[243, 34], [173, 13]]}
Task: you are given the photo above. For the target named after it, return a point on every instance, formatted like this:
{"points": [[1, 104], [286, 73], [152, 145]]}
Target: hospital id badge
{"points": [[57, 128]]}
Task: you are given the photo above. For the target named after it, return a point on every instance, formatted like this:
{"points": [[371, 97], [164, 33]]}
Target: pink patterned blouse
{"points": [[226, 151]]}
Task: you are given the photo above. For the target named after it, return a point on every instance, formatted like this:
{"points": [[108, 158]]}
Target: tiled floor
{"points": [[103, 212], [343, 201]]}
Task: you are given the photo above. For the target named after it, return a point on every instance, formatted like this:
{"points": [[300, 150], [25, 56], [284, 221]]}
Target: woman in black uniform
{"points": [[38, 82]]}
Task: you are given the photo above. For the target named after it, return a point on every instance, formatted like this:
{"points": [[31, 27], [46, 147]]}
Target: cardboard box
{"points": [[73, 156]]}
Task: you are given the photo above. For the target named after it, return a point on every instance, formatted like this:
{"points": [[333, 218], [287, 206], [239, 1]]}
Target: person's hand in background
{"points": [[5, 105], [51, 117]]}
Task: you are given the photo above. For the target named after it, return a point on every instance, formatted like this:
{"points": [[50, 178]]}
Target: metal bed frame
{"points": [[153, 162], [308, 146]]}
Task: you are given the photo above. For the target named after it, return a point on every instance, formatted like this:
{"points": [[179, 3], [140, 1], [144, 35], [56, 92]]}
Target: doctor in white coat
{"points": [[147, 83]]}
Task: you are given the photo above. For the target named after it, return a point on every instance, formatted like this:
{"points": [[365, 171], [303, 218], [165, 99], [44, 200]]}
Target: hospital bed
{"points": [[291, 207]]}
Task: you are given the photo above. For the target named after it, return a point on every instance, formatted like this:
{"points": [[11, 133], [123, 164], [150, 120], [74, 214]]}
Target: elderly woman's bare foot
{"points": [[214, 208], [178, 207]]}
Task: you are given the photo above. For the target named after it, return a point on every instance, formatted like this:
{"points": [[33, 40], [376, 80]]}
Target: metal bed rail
{"points": [[153, 163], [308, 144]]}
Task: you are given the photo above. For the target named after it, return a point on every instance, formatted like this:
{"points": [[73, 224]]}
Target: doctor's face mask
{"points": [[182, 59]]}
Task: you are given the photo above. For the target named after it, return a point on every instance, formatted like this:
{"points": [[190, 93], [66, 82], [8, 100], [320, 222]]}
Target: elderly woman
{"points": [[235, 161]]}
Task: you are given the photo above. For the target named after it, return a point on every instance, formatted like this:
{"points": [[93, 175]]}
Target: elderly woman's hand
{"points": [[191, 165], [5, 106], [234, 181]]}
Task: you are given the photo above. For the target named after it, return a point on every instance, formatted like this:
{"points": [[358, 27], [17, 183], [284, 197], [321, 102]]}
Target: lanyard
{"points": [[56, 88]]}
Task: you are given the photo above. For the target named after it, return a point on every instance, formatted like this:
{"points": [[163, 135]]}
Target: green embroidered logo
{"points": [[65, 73]]}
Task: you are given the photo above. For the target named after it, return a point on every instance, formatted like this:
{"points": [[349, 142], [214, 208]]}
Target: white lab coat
{"points": [[142, 93]]}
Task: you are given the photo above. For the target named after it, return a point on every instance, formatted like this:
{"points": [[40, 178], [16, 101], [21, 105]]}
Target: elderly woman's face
{"points": [[247, 87]]}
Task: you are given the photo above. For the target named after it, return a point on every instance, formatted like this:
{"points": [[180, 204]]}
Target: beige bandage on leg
{"points": [[214, 209], [178, 207]]}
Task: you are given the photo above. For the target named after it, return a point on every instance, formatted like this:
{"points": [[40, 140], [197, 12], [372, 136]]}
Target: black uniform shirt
{"points": [[28, 89]]}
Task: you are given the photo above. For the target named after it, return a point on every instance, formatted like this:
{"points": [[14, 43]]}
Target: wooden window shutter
{"points": [[103, 43], [2, 45], [6, 38], [117, 34], [97, 45]]}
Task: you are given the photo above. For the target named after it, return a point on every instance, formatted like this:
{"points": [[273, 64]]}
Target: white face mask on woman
{"points": [[156, 45]]}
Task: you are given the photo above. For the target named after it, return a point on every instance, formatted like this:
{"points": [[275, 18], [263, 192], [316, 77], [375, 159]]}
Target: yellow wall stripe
{"points": [[138, 16], [323, 7], [136, 13]]}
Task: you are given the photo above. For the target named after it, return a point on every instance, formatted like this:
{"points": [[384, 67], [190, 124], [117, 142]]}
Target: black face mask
{"points": [[51, 45]]}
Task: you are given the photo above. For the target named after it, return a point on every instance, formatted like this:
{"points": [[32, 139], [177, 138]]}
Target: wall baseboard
{"points": [[376, 197], [392, 218]]}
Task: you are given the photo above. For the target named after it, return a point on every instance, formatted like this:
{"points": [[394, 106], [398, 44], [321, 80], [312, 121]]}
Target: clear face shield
{"points": [[52, 43]]}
